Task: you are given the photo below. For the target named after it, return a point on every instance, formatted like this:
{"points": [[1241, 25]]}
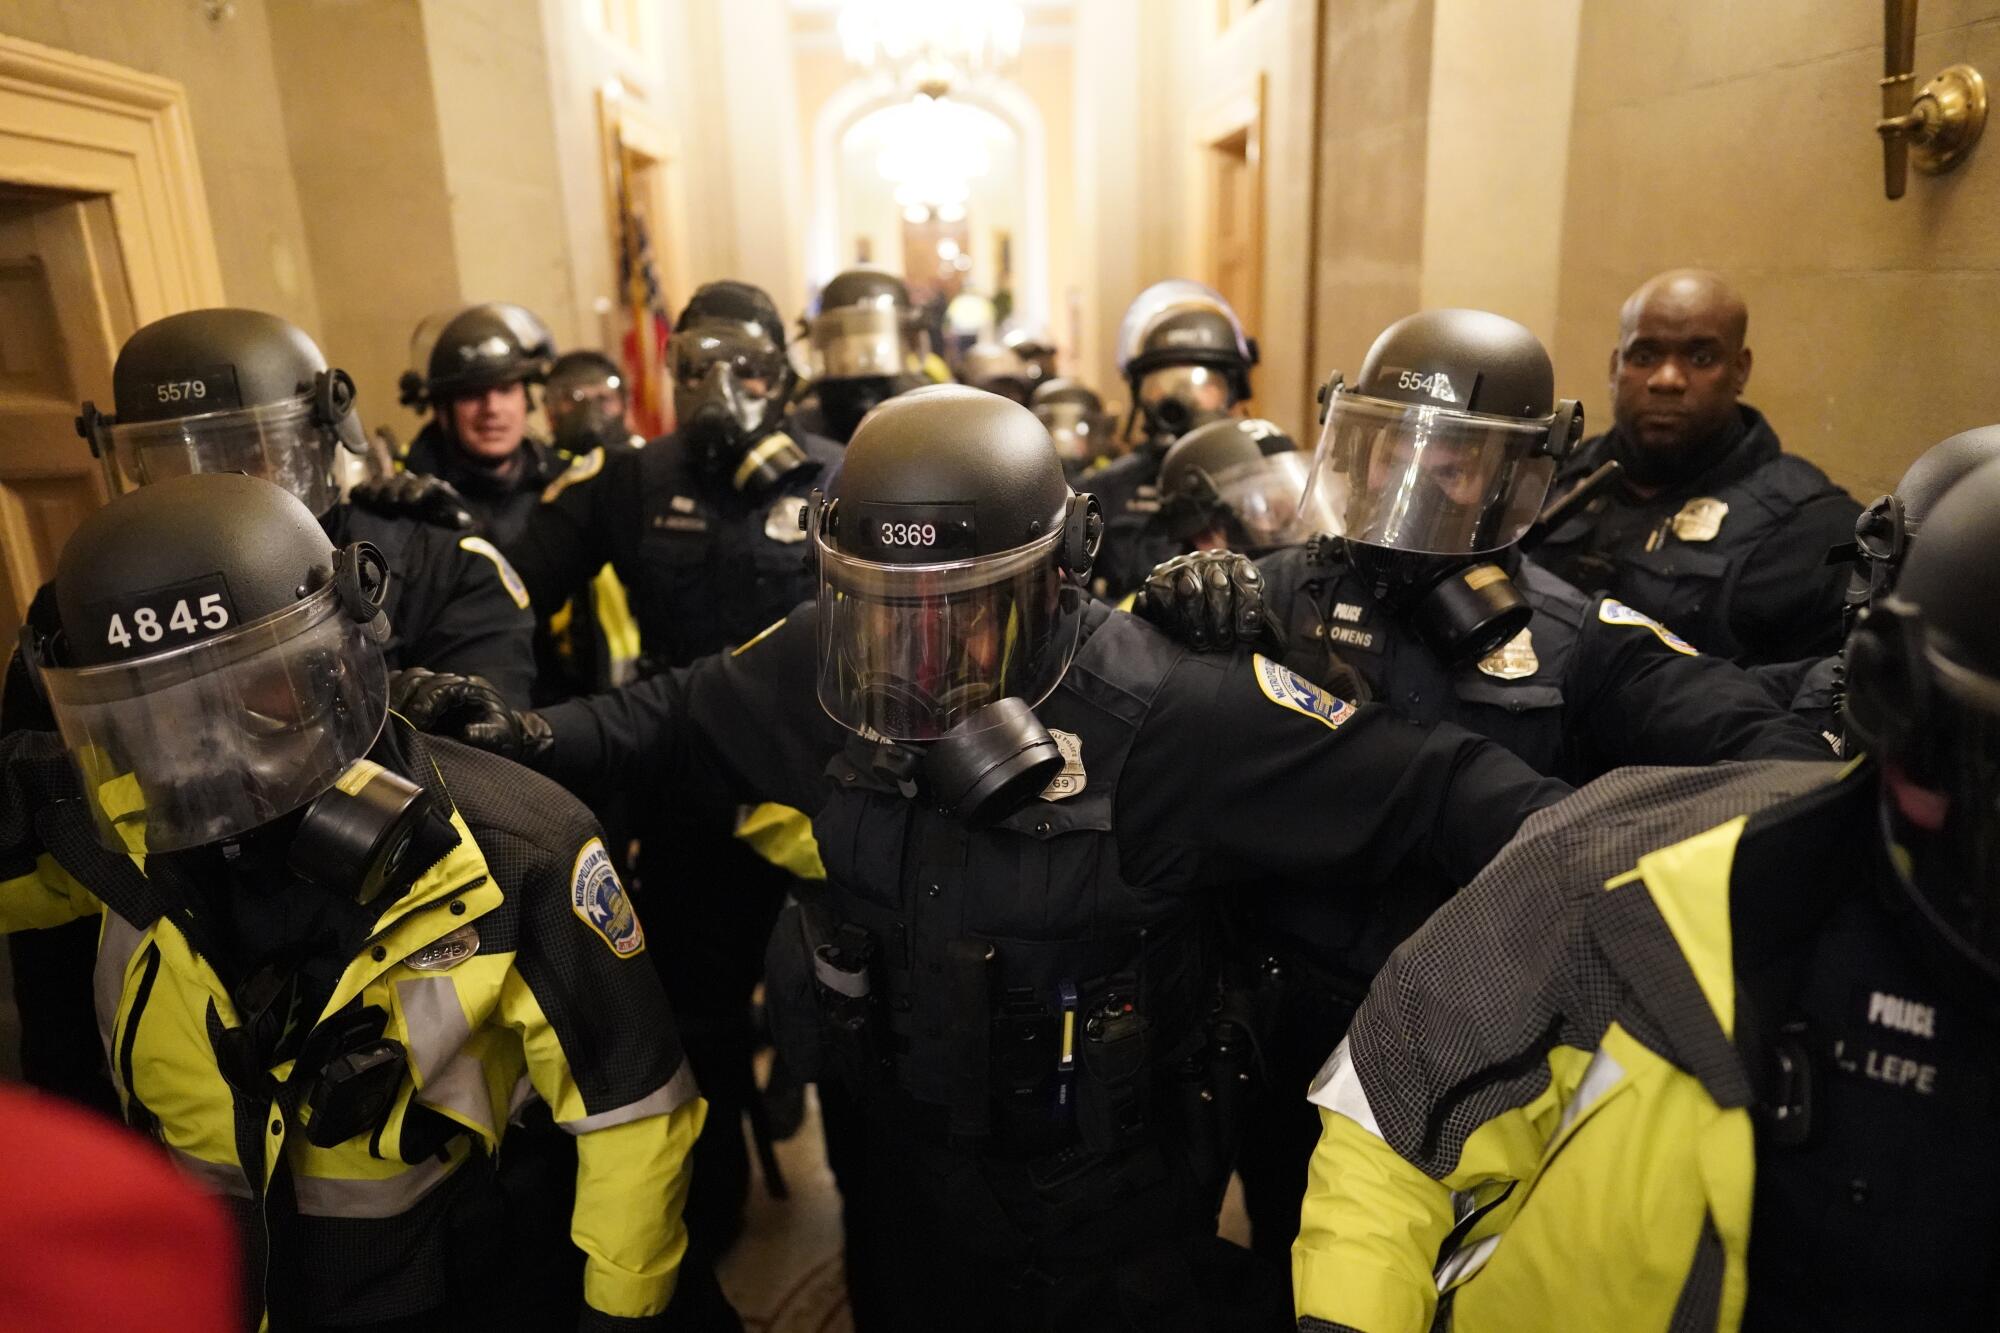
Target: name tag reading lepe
{"points": [[161, 619]]}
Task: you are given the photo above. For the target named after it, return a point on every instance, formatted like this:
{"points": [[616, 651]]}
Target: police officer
{"points": [[1710, 527], [1037, 353], [335, 958], [1430, 468], [1187, 362], [702, 529], [996, 368], [243, 391], [1011, 968], [1727, 1043], [867, 344], [1085, 434], [475, 385], [587, 404], [1234, 484], [1882, 538]]}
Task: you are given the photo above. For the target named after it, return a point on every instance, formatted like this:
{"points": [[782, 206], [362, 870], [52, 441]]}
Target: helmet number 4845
{"points": [[148, 628]]}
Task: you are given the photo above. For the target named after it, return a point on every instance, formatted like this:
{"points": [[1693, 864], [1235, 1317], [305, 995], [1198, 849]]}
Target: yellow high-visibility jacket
{"points": [[1500, 1125], [511, 969]]}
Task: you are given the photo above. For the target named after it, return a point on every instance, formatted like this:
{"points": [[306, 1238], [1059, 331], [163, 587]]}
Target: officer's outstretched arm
{"points": [[1285, 778], [603, 1054], [1647, 697], [34, 890]]}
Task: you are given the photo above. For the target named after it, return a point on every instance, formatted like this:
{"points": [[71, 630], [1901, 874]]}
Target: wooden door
{"points": [[1236, 229], [64, 312]]}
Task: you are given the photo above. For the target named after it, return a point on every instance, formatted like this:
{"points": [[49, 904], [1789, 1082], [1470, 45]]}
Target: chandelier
{"points": [[930, 45], [932, 150]]}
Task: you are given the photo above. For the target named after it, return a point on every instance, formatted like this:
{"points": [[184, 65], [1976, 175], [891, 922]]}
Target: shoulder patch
{"points": [[600, 902], [583, 469], [508, 578], [1288, 689], [1614, 612]]}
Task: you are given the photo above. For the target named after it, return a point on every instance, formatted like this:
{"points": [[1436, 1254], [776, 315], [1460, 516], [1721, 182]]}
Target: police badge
{"points": [[1700, 519], [1514, 659]]}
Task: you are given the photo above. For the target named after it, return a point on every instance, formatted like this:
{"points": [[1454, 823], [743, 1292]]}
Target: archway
{"points": [[1006, 104]]}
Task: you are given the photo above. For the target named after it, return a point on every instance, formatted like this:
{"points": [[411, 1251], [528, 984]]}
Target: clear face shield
{"points": [[1080, 434], [908, 651], [728, 379], [864, 342], [200, 743], [1265, 502], [1427, 480], [1176, 399], [284, 443]]}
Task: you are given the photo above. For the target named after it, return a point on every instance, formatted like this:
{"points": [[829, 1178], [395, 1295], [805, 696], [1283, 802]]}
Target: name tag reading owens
{"points": [[150, 622]]}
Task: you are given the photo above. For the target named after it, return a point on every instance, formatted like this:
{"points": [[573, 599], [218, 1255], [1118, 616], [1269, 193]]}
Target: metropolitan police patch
{"points": [[599, 901], [1288, 689], [508, 578], [1614, 612]]}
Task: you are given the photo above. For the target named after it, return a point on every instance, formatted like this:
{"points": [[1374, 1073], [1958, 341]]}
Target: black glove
{"points": [[468, 709], [412, 494], [1211, 601]]}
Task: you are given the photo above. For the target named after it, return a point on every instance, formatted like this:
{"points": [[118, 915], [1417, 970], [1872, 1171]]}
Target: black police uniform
{"points": [[706, 566], [1812, 690], [451, 607], [1732, 560], [1592, 687], [1871, 1208], [1135, 537], [1027, 1181], [502, 505]]}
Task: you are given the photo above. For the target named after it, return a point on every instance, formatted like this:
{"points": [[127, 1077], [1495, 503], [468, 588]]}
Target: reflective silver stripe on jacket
{"points": [[1338, 1088], [1599, 1077], [677, 1092], [215, 1176], [324, 1196], [448, 1077], [116, 944]]}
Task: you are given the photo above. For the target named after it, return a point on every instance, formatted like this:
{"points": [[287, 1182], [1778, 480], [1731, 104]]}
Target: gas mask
{"points": [[730, 384], [1176, 399], [1461, 611]]}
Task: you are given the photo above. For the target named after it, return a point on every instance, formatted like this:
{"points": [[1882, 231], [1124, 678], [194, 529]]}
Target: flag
{"points": [[643, 349]]}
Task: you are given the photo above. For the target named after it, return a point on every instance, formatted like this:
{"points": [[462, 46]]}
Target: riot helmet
{"points": [[1924, 699], [225, 390], [996, 369], [483, 347], [586, 401], [1183, 351], [1037, 353], [1437, 459], [1886, 529], [1244, 477], [731, 376], [867, 344], [218, 665], [951, 590], [1075, 418]]}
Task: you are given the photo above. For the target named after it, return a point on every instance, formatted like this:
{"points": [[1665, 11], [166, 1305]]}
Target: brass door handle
{"points": [[1935, 129]]}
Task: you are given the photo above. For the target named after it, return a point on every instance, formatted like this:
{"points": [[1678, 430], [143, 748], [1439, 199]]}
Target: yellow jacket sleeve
{"points": [[47, 895], [631, 1188], [1369, 1231]]}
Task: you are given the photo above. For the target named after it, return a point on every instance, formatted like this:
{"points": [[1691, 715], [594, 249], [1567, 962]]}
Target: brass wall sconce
{"points": [[1935, 129]]}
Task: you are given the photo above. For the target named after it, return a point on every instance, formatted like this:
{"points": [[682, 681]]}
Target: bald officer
{"points": [[1710, 527]]}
